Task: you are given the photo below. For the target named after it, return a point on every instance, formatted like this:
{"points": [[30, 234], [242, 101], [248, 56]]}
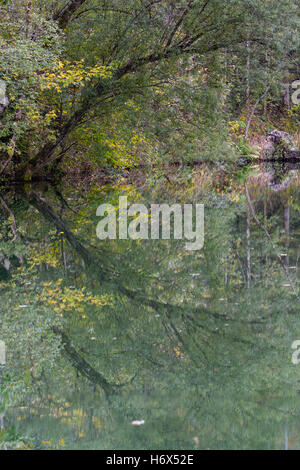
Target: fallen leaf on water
{"points": [[137, 423]]}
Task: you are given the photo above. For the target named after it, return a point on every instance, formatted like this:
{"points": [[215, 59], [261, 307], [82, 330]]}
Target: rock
{"points": [[277, 137], [283, 186], [2, 353], [293, 154], [4, 101], [1, 422], [280, 145]]}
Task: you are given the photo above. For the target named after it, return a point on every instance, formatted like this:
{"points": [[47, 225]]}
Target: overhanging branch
{"points": [[64, 15]]}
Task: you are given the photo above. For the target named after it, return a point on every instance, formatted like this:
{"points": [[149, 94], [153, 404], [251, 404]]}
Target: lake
{"points": [[142, 344]]}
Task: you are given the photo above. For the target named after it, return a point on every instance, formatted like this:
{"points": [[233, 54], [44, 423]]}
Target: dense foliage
{"points": [[139, 81], [194, 346]]}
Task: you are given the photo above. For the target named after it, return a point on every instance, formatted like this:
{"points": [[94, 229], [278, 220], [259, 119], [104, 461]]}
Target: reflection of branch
{"points": [[262, 226], [92, 261], [84, 367], [182, 341], [11, 215], [46, 210], [13, 226], [64, 203]]}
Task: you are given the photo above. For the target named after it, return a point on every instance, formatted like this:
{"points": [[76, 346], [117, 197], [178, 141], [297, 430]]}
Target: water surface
{"points": [[194, 346]]}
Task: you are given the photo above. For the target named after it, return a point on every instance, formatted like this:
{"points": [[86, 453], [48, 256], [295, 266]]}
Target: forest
{"points": [[128, 83], [139, 343]]}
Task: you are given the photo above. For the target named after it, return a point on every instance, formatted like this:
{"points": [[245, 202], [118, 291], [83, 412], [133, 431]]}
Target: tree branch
{"points": [[64, 15], [45, 155]]}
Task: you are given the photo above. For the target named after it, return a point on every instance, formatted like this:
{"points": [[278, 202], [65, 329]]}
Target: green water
{"points": [[194, 345]]}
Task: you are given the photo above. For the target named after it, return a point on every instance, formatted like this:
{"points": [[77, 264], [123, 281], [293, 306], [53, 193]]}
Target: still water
{"points": [[140, 344]]}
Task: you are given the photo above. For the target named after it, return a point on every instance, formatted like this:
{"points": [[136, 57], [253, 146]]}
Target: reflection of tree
{"points": [[189, 313], [285, 268], [203, 345], [280, 175]]}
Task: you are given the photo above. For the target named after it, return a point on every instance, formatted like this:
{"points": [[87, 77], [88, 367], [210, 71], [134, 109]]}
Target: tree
{"points": [[137, 45]]}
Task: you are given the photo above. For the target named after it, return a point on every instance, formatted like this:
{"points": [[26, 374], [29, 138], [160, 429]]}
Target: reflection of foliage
{"points": [[208, 354]]}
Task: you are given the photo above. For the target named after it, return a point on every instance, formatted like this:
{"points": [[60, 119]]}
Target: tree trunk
{"points": [[64, 15]]}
